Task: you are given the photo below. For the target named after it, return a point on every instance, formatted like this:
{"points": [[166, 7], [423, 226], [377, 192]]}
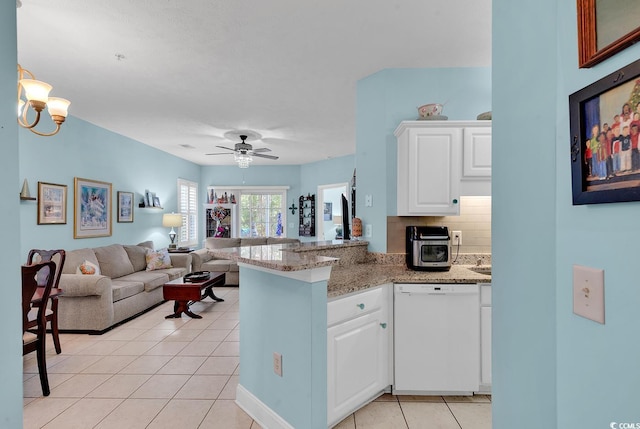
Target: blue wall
{"points": [[84, 150], [551, 368], [389, 97], [10, 337], [597, 369]]}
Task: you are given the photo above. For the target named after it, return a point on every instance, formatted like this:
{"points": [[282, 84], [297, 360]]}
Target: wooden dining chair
{"points": [[57, 256], [37, 280]]}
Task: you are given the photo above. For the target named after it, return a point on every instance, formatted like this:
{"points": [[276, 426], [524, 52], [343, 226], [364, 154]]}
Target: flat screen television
{"points": [[345, 219]]}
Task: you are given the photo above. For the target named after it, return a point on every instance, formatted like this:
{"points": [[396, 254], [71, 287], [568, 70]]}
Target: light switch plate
{"points": [[588, 293]]}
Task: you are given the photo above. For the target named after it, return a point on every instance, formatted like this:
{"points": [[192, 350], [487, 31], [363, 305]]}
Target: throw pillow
{"points": [[158, 259], [88, 268]]}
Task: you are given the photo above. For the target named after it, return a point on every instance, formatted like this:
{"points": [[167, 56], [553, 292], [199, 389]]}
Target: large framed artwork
{"points": [[91, 208], [125, 206], [52, 204], [605, 134], [605, 27]]}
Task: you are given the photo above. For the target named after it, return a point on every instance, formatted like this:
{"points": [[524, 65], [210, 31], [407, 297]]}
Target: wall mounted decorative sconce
{"points": [[293, 208]]}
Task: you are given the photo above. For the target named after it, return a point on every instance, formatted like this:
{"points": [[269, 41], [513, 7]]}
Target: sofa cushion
{"points": [[114, 261], [218, 265], [254, 241], [122, 289], [220, 243], [150, 279], [75, 258], [158, 259], [173, 273], [146, 244], [137, 256]]}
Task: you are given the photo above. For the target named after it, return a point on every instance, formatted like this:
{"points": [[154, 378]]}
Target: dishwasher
{"points": [[436, 339]]}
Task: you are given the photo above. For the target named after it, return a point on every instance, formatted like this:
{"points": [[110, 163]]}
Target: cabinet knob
{"points": [[455, 201], [384, 325], [361, 306]]}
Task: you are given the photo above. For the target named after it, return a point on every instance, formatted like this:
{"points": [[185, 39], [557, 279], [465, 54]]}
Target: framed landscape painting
{"points": [[605, 139], [125, 206], [52, 204], [606, 27], [91, 208]]}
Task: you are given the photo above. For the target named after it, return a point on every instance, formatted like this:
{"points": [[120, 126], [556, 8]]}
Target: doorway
{"points": [[329, 210]]}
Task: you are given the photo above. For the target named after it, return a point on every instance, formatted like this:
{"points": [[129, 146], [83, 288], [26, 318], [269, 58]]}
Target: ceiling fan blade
{"points": [[261, 149], [224, 147], [219, 153], [264, 156]]}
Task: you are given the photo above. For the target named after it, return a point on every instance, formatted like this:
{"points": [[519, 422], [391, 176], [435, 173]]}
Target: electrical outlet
{"points": [[588, 293], [277, 363], [367, 230], [368, 201], [456, 237]]}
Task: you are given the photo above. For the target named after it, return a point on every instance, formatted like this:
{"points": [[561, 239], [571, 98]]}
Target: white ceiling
{"points": [[170, 73]]}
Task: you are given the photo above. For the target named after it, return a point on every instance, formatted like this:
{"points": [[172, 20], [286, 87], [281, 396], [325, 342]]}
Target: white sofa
{"points": [[203, 260], [123, 289]]}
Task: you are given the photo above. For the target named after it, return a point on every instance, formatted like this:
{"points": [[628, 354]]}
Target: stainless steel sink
{"points": [[481, 270]]}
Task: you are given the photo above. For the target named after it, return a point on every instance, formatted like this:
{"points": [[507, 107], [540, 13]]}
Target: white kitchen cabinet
{"points": [[358, 350], [485, 338], [438, 161]]}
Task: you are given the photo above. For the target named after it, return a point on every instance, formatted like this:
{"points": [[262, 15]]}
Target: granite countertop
{"points": [[358, 277], [280, 257], [350, 277]]}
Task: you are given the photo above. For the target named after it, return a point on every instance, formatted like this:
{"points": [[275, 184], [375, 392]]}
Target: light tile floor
{"points": [[154, 372]]}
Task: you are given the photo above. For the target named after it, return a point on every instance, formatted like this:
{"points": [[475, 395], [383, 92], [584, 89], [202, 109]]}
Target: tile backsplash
{"points": [[474, 222]]}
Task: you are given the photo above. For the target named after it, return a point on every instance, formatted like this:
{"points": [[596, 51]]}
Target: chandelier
{"points": [[243, 159], [34, 94]]}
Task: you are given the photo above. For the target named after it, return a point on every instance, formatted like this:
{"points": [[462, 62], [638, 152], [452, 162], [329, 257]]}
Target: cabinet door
{"points": [[357, 363], [485, 346], [477, 153], [429, 171]]}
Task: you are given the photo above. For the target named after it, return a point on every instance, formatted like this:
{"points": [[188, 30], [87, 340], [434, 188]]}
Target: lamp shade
{"points": [[36, 90], [58, 106], [172, 220]]}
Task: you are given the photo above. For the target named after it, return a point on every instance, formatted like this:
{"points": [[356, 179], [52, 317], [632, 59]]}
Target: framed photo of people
{"points": [[606, 27], [605, 134]]}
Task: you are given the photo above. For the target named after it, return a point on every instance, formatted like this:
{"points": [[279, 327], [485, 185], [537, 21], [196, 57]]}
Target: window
{"points": [[262, 213], [188, 207]]}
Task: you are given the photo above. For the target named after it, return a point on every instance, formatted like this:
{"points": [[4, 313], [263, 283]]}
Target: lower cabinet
{"points": [[485, 338], [358, 350]]}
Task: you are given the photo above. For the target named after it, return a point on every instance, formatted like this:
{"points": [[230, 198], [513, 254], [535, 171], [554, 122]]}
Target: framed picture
{"points": [[52, 204], [328, 213], [605, 131], [606, 27], [125, 206], [156, 202], [91, 208]]}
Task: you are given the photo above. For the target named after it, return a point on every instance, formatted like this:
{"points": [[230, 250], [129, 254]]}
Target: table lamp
{"points": [[173, 220]]}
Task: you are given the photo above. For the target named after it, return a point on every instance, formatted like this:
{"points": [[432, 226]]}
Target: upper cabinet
{"points": [[439, 161]]}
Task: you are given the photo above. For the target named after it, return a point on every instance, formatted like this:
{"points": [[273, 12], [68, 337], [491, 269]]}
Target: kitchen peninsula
{"points": [[284, 291]]}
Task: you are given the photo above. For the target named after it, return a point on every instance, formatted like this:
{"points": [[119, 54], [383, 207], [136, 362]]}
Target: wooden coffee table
{"points": [[186, 293]]}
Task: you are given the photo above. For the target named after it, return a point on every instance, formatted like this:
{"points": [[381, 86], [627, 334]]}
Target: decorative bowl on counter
{"points": [[433, 109]]}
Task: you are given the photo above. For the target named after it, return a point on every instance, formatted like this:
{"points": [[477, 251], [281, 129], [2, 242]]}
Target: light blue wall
{"points": [[84, 150], [523, 214], [289, 317], [10, 337], [597, 370], [389, 97], [551, 368]]}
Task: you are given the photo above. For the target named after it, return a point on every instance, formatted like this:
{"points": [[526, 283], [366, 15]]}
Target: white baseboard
{"points": [[259, 411]]}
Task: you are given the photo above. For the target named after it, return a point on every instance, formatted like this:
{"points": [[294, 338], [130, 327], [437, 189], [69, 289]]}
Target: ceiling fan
{"points": [[244, 148]]}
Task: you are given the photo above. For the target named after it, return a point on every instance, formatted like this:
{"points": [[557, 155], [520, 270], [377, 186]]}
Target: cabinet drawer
{"points": [[348, 307], [485, 295]]}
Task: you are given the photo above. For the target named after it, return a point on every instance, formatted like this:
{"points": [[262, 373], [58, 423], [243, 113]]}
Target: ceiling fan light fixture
{"points": [[243, 160]]}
